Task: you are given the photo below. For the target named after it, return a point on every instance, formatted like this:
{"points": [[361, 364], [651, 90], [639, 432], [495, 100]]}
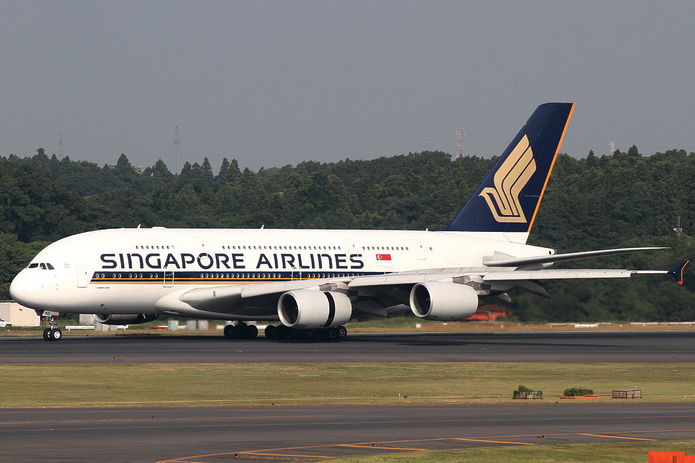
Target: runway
{"points": [[272, 434], [564, 347], [214, 435]]}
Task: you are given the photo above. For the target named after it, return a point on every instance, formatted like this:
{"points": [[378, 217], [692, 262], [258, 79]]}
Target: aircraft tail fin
{"points": [[509, 197]]}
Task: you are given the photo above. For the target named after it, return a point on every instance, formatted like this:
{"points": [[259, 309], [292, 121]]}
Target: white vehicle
{"points": [[314, 281], [4, 324]]}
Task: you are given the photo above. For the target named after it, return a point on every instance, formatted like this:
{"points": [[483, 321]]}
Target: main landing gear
{"points": [[240, 331], [243, 331], [337, 333]]}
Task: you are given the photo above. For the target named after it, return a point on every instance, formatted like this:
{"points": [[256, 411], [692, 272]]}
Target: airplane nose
{"points": [[22, 288]]}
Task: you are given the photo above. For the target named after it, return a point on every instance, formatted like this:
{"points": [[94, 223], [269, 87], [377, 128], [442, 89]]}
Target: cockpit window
{"points": [[42, 266]]}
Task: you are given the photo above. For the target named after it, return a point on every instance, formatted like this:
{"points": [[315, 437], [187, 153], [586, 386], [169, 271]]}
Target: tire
{"points": [[251, 332], [332, 334], [46, 334], [56, 335], [342, 332], [230, 331], [270, 332]]}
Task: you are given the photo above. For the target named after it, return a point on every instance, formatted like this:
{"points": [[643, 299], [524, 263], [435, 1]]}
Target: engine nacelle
{"points": [[125, 318], [436, 300], [307, 309]]}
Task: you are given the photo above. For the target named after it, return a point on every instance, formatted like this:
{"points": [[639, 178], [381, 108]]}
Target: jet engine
{"points": [[436, 300], [125, 318], [307, 309]]}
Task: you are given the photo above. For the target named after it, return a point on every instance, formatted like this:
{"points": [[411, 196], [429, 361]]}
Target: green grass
{"points": [[155, 385], [570, 453]]}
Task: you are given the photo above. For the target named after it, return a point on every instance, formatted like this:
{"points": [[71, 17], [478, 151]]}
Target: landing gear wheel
{"points": [[342, 332], [251, 332], [270, 331], [56, 335], [332, 334], [47, 334], [230, 332]]}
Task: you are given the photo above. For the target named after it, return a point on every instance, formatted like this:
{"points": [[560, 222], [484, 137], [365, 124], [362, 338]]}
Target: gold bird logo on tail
{"points": [[510, 179]]}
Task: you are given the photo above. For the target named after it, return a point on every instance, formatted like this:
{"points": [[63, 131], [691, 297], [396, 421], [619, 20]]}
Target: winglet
{"points": [[677, 272]]}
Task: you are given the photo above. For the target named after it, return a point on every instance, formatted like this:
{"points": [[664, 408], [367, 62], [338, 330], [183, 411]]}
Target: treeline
{"points": [[591, 203]]}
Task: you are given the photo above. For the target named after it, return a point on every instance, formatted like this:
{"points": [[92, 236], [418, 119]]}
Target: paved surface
{"points": [[315, 434], [569, 347], [216, 435]]}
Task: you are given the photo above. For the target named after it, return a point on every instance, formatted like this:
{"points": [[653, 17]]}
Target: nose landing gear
{"points": [[52, 333]]}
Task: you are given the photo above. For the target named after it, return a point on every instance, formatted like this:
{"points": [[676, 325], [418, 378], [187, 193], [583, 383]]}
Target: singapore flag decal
{"points": [[383, 257]]}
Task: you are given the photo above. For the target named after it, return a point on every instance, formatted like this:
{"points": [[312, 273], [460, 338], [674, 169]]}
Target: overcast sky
{"points": [[272, 83]]}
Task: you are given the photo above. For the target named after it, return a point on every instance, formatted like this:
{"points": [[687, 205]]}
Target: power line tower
{"points": [[177, 142], [61, 148], [460, 142], [611, 145]]}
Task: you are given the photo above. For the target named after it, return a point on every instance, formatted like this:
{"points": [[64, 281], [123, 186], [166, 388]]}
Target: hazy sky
{"points": [[272, 83]]}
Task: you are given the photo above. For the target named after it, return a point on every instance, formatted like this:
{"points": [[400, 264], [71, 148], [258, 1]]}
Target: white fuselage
{"points": [[129, 270]]}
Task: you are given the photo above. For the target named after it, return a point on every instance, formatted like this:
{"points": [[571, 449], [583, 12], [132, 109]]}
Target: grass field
{"points": [[166, 385], [571, 453]]}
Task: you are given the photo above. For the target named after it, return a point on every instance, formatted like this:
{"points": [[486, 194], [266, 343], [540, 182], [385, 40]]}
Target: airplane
{"points": [[314, 281]]}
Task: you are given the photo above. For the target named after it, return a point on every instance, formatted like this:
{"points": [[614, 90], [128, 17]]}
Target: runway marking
{"points": [[491, 441], [280, 455], [617, 437], [373, 446]]}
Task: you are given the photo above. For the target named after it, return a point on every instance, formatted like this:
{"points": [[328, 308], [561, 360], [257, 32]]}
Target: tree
{"points": [[206, 170], [233, 174], [223, 173]]}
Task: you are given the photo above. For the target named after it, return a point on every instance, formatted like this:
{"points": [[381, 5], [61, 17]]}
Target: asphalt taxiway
{"points": [[216, 435], [563, 347]]}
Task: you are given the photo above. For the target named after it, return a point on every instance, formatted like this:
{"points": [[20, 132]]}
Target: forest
{"points": [[624, 200]]}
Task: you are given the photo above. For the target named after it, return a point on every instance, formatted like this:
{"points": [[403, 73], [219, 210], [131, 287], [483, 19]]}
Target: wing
{"points": [[501, 261], [384, 293]]}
